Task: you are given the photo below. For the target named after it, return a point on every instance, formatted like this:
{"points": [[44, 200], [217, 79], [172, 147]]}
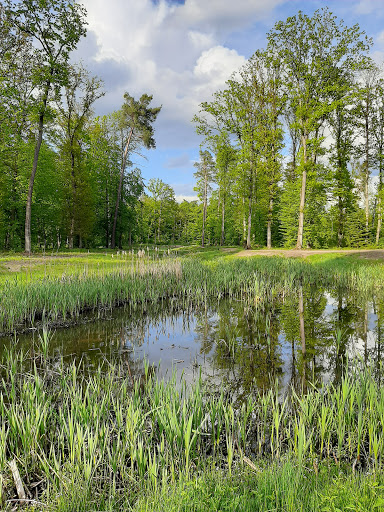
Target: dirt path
{"points": [[367, 254], [33, 261]]}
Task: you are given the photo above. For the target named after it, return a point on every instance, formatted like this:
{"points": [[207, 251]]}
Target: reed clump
{"points": [[107, 433]]}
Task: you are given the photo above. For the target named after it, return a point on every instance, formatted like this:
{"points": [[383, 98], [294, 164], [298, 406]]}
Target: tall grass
{"points": [[106, 433], [135, 280]]}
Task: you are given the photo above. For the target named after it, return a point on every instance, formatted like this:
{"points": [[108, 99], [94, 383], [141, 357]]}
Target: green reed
{"points": [[66, 426]]}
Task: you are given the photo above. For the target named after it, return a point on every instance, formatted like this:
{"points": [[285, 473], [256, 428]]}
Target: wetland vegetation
{"points": [[244, 383], [112, 441]]}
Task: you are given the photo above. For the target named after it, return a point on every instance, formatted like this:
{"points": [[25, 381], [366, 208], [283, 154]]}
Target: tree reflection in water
{"points": [[306, 336]]}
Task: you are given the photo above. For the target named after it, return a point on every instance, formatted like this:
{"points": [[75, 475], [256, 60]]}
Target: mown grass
{"points": [[106, 441], [60, 290]]}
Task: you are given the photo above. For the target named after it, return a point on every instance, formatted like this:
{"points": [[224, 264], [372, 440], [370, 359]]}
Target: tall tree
{"points": [[103, 163], [366, 90], [226, 158], [204, 176], [378, 134], [163, 196], [81, 91], [56, 26], [342, 123], [309, 48], [135, 122], [17, 58]]}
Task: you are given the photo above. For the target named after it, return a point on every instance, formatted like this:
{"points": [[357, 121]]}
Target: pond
{"points": [[307, 336]]}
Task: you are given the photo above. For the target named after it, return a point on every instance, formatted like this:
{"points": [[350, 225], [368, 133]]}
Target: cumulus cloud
{"points": [[181, 198], [184, 191], [174, 51]]}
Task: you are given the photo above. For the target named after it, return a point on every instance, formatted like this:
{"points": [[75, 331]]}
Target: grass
{"points": [[57, 291], [283, 487], [108, 442]]}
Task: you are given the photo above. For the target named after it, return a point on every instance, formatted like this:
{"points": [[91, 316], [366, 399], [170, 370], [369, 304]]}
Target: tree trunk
{"points": [[269, 224], [379, 219], [34, 169], [250, 211], [158, 236], [340, 227], [71, 233], [222, 221], [244, 222], [366, 190], [72, 229], [123, 164], [379, 203], [106, 218], [204, 207], [299, 243]]}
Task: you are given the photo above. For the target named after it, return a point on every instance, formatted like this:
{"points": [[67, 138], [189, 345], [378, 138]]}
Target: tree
{"points": [[342, 123], [226, 158], [74, 114], [365, 107], [163, 197], [17, 58], [378, 134], [204, 176], [56, 26], [268, 73], [134, 121], [102, 160], [310, 48]]}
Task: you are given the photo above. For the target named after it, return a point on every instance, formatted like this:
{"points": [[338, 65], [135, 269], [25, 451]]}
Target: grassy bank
{"points": [[59, 293], [108, 442]]}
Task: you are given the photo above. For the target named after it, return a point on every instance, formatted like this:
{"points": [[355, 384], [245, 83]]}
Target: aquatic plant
{"points": [[107, 430]]}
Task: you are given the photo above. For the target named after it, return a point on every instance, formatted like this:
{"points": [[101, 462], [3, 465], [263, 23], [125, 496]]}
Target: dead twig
{"points": [[250, 463], [18, 481]]}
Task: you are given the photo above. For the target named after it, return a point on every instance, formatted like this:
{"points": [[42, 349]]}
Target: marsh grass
{"points": [[96, 283], [109, 440]]}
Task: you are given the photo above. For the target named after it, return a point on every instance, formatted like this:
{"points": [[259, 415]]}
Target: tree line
{"points": [[289, 146], [66, 176], [292, 142]]}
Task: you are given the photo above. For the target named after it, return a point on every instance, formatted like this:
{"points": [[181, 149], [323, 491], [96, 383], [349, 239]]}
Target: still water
{"points": [[307, 336]]}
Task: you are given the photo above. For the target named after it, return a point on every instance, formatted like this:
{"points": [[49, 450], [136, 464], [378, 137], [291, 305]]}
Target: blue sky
{"points": [[181, 51]]}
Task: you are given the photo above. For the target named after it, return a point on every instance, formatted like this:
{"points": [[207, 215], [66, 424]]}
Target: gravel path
{"points": [[367, 254]]}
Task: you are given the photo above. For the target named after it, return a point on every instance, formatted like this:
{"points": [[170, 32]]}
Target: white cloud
{"points": [[217, 64], [181, 198], [174, 52], [184, 191]]}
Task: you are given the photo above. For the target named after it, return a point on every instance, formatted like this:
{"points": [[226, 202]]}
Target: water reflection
{"points": [[306, 337]]}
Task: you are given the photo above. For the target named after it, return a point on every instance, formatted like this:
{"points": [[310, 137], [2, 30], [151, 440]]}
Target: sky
{"points": [[181, 52]]}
